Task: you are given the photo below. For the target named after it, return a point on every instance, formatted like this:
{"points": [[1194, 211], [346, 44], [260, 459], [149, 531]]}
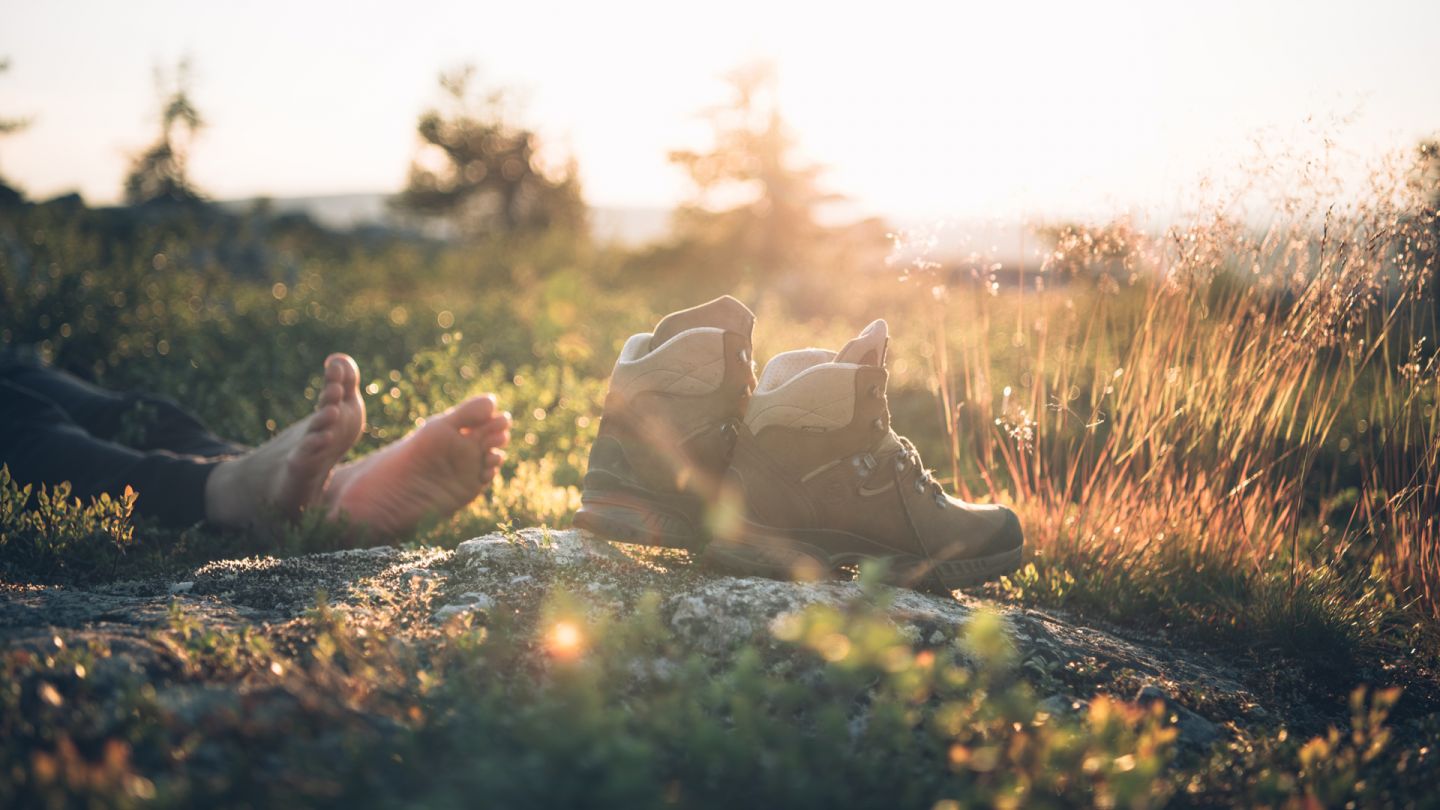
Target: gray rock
{"points": [[470, 602], [1150, 695], [1192, 729], [478, 600], [552, 547], [1063, 705], [1197, 732], [285, 587], [449, 612], [709, 614]]}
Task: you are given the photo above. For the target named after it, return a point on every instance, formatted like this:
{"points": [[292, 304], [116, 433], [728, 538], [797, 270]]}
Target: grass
{"points": [[1228, 432], [1223, 433]]}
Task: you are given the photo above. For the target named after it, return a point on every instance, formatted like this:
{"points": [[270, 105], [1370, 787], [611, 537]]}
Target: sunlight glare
{"points": [[565, 640]]}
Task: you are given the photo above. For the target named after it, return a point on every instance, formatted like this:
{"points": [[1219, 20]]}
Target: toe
{"points": [[474, 412], [498, 423], [352, 377], [499, 437], [341, 368], [325, 416], [330, 394], [493, 435], [335, 369], [315, 443]]}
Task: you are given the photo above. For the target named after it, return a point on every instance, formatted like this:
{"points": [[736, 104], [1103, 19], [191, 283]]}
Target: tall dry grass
{"points": [[1209, 393]]}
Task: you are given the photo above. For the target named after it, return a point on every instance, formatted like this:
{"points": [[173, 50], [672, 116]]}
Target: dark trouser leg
{"points": [[41, 444], [140, 421]]}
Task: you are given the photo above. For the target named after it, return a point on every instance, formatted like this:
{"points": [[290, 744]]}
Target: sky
{"points": [[915, 108]]}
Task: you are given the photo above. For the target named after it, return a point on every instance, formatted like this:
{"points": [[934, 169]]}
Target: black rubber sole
{"points": [[767, 552], [632, 518]]}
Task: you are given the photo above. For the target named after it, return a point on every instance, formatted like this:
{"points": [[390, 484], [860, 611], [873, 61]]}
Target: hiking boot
{"points": [[826, 482], [671, 416]]}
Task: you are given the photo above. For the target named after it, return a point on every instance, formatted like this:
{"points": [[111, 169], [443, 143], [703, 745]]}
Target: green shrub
{"points": [[45, 533]]}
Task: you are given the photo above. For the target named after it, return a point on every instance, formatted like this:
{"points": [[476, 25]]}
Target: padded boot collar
{"points": [[867, 348], [722, 313]]}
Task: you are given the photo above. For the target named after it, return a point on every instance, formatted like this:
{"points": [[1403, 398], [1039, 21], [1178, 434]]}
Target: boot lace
{"points": [[730, 428], [908, 458]]}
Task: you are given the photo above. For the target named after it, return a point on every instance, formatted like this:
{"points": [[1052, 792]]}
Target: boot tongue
{"points": [[785, 366], [888, 446], [722, 313], [868, 348]]}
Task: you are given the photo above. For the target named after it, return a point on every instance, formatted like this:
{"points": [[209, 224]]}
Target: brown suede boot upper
{"points": [[676, 397], [817, 459]]}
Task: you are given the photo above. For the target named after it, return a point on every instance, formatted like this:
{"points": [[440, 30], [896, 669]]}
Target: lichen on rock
{"points": [[706, 614]]}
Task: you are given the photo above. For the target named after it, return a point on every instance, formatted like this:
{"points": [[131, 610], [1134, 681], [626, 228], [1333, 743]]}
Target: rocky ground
{"points": [[1067, 660]]}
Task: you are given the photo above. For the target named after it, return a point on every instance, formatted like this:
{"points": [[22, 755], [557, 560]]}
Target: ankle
{"points": [[222, 504]]}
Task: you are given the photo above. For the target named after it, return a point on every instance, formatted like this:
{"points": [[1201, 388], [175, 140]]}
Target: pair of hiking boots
{"points": [[793, 476]]}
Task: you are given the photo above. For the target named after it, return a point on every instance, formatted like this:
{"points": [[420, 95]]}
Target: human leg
{"points": [[41, 444], [138, 420], [286, 474]]}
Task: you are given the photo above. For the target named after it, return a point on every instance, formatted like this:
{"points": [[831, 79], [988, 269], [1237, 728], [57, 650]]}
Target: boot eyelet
{"points": [[899, 466], [875, 391], [879, 423], [919, 487]]}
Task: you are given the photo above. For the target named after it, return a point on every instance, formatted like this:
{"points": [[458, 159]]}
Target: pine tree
{"points": [[482, 172], [159, 174], [753, 199], [10, 126]]}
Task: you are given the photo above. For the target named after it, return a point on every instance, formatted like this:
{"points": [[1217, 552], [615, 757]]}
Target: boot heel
{"points": [[632, 519]]}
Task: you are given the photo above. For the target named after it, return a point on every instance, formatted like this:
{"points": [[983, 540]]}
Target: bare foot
{"points": [[278, 479], [438, 468]]}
